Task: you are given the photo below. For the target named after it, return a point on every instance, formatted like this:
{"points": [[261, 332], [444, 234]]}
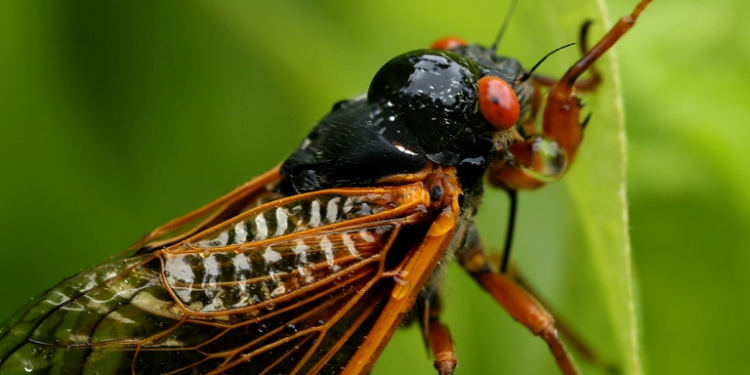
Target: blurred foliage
{"points": [[116, 117]]}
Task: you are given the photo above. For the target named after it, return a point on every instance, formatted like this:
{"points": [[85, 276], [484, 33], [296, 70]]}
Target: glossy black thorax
{"points": [[421, 108]]}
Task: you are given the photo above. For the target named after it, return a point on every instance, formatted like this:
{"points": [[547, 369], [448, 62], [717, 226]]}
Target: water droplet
{"points": [[270, 306]]}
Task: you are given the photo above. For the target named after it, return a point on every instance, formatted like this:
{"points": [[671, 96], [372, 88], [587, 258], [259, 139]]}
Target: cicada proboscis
{"points": [[310, 268]]}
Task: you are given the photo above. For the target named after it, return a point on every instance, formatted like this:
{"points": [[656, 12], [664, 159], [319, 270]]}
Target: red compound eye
{"points": [[498, 102], [448, 43]]}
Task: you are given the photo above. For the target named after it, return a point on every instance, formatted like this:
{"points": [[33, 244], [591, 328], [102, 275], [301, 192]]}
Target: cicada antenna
{"points": [[505, 25], [527, 75]]}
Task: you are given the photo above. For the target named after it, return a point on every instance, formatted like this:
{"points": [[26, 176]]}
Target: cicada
{"points": [[311, 267]]}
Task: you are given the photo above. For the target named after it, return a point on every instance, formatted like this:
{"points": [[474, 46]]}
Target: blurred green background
{"points": [[116, 117]]}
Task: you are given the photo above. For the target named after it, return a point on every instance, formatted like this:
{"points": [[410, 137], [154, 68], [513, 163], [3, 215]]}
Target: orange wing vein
{"points": [[299, 285]]}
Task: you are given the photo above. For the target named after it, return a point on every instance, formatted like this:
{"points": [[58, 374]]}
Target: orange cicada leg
{"points": [[544, 157]]}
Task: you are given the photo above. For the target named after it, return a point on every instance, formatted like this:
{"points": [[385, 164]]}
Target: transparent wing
{"points": [[291, 286]]}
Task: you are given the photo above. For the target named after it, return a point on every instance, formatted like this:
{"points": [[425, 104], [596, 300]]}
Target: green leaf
{"points": [[598, 187]]}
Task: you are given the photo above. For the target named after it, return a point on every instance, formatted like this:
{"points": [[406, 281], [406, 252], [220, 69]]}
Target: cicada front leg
{"points": [[544, 157]]}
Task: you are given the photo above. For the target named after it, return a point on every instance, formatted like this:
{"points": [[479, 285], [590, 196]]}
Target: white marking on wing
{"points": [[301, 250], [220, 240], [118, 317], [94, 305], [73, 306], [282, 215], [327, 247], [178, 269], [349, 244], [147, 302], [332, 211], [315, 212], [261, 226], [56, 298], [211, 270], [241, 264], [348, 205], [366, 235], [240, 232], [184, 294], [271, 256]]}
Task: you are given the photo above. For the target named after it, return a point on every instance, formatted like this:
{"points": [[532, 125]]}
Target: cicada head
{"points": [[457, 104]]}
